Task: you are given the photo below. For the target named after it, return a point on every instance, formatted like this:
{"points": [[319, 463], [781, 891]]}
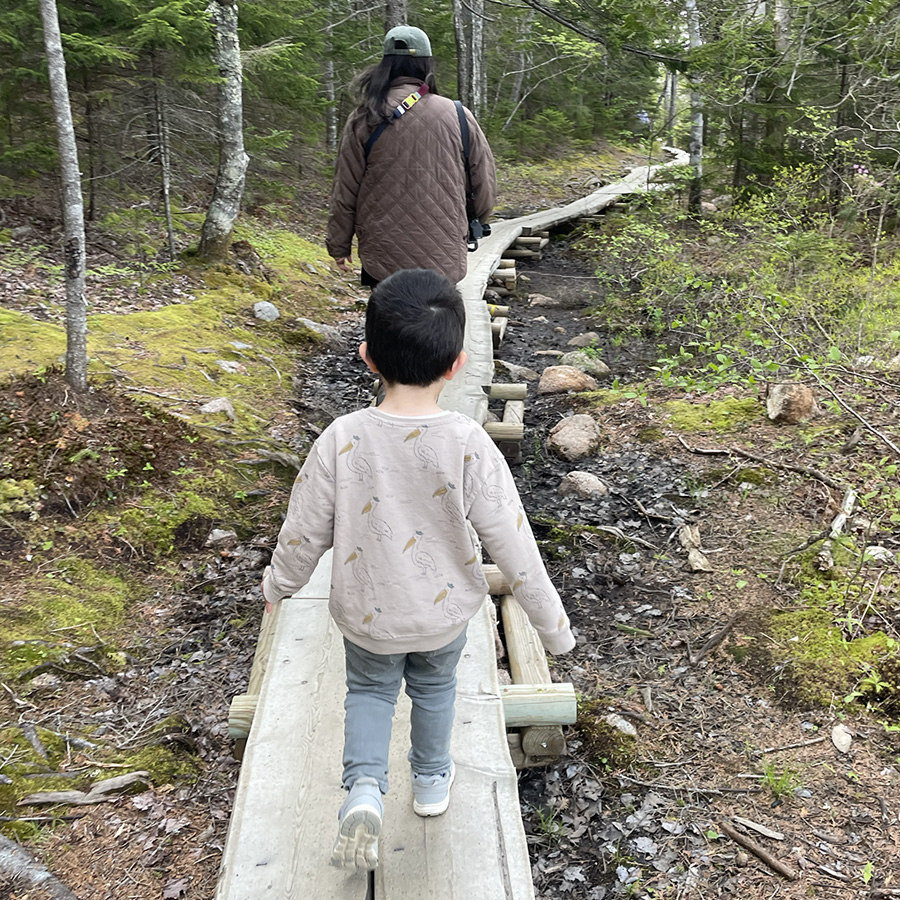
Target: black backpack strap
{"points": [[464, 130], [374, 137]]}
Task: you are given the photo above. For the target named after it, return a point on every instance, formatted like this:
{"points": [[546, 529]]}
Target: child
{"points": [[393, 490]]}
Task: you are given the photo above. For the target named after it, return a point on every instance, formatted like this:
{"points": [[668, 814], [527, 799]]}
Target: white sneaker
{"points": [[431, 793], [360, 825]]}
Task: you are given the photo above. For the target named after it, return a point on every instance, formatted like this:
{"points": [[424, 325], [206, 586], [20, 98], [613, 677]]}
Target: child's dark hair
{"points": [[415, 324]]}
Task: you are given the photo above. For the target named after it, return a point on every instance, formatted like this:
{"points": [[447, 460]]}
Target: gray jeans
{"points": [[373, 684]]}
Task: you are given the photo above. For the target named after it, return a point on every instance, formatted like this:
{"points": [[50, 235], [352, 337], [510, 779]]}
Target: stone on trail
{"points": [[574, 437], [220, 405], [329, 334], [221, 537], [231, 367], [583, 485], [789, 404], [561, 379], [586, 362], [585, 339], [517, 373], [621, 724], [265, 311], [556, 302]]}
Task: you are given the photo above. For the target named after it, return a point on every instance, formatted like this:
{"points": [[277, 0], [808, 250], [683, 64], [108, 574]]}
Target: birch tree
{"points": [[695, 146], [73, 205], [215, 238]]}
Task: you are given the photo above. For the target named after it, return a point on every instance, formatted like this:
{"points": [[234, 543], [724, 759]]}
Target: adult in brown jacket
{"points": [[406, 203]]}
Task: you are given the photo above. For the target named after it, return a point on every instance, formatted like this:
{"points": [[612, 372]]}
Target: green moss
{"points": [[26, 345], [65, 607], [650, 435], [5, 235], [591, 399], [166, 765], [17, 496], [730, 414], [608, 746]]}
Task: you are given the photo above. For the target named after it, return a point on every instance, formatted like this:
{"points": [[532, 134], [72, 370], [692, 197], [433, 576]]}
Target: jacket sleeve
{"points": [[350, 167], [484, 171], [495, 511], [307, 532]]}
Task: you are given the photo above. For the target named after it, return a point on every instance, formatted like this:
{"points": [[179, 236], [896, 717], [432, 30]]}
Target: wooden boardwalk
{"points": [[284, 818]]}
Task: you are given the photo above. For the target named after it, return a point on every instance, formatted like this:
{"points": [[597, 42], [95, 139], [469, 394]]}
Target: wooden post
{"points": [[498, 312], [538, 704], [498, 330], [528, 665], [513, 413], [496, 580], [243, 706], [509, 392], [505, 431], [516, 253], [505, 264]]}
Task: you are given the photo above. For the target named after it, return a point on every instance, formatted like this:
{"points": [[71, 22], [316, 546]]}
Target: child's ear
{"points": [[364, 353], [458, 363]]}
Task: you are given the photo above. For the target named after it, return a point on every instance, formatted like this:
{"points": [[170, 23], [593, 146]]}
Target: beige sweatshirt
{"points": [[394, 496]]}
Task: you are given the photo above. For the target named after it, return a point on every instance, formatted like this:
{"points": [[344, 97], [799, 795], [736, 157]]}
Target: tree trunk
{"points": [[215, 238], [163, 151], [395, 12], [695, 147], [463, 59], [328, 85], [73, 205], [672, 97], [479, 75]]}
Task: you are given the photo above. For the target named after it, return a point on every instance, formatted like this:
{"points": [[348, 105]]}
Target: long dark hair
{"points": [[371, 86]]}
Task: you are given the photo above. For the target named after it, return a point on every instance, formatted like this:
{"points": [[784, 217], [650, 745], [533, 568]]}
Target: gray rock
{"points": [[586, 339], [220, 405], [556, 353], [789, 404], [707, 207], [723, 201], [620, 724], [240, 345], [265, 311], [20, 231], [220, 537], [231, 367], [583, 484], [586, 362], [517, 373], [561, 379], [574, 437], [329, 334], [543, 300]]}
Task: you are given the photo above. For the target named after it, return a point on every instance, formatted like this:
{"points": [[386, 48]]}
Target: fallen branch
{"points": [[19, 866], [746, 454], [713, 642], [100, 792], [776, 865], [809, 743], [688, 788]]}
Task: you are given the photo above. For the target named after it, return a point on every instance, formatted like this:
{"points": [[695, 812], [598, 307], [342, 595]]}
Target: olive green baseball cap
{"points": [[405, 40]]}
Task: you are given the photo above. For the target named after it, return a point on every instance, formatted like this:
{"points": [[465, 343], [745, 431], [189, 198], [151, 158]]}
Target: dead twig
{"points": [[746, 454], [809, 743], [713, 642], [688, 788], [776, 865]]}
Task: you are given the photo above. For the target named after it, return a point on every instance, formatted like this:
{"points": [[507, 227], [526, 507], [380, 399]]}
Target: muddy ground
{"points": [[684, 657]]}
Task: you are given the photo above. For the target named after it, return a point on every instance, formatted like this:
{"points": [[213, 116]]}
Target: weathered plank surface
{"points": [[285, 811]]}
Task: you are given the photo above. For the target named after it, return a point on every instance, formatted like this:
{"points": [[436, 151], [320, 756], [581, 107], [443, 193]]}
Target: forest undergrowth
{"points": [[133, 626]]}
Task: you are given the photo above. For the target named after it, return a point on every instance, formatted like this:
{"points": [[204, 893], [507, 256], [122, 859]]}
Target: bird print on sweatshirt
{"points": [[302, 551], [359, 570], [449, 606], [420, 558], [356, 462], [534, 596], [377, 525], [453, 511], [425, 454]]}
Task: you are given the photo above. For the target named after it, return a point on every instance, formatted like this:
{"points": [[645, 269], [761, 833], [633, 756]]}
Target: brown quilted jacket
{"points": [[407, 206]]}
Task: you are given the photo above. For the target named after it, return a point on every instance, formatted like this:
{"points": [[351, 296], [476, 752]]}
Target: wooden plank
{"points": [[506, 264], [515, 391], [284, 817], [498, 330], [514, 411], [517, 253], [477, 849], [538, 704], [498, 312], [496, 580], [528, 665], [505, 431]]}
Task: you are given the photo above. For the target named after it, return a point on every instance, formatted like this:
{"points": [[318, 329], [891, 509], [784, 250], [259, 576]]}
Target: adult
{"points": [[404, 196]]}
